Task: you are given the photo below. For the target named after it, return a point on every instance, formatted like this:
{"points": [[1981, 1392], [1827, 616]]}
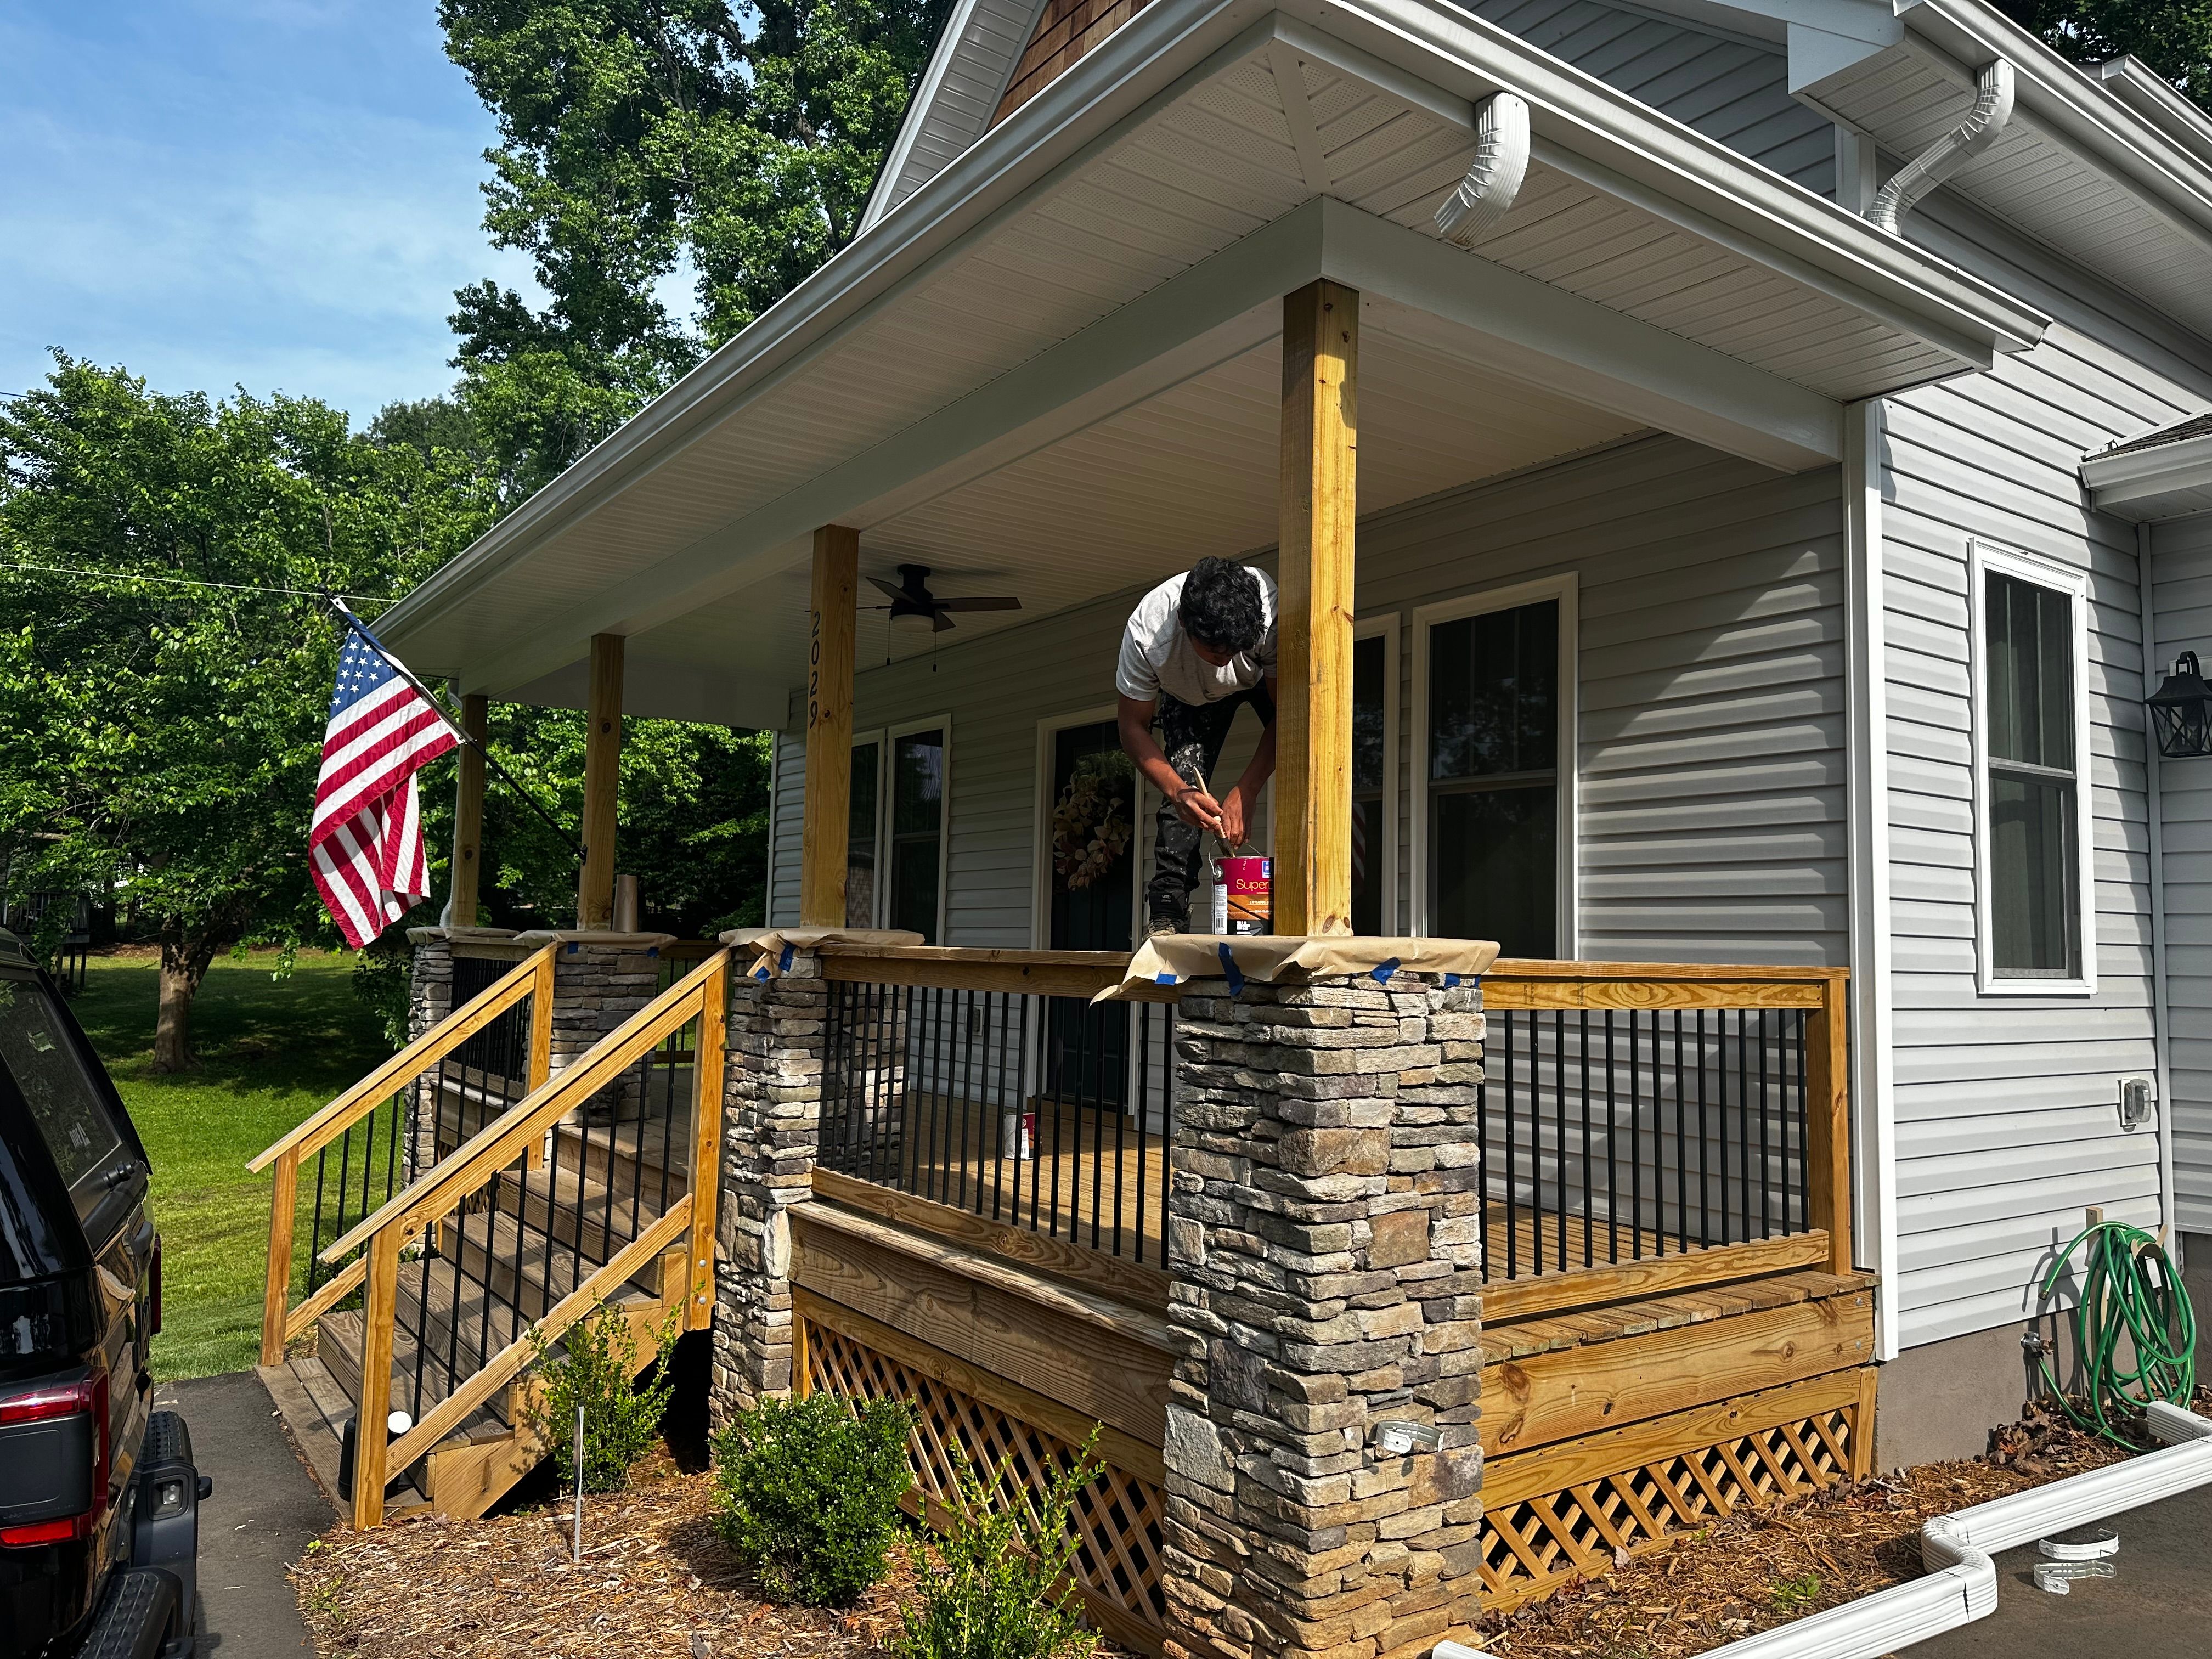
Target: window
{"points": [[2030, 720], [860, 840], [917, 832], [1495, 678], [1374, 821], [64, 1102]]}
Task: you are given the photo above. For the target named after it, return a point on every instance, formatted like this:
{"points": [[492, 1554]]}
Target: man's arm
{"points": [[1237, 805], [1133, 718]]}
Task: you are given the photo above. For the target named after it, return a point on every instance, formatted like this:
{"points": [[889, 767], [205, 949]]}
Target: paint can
{"points": [[1019, 1139], [1243, 889]]}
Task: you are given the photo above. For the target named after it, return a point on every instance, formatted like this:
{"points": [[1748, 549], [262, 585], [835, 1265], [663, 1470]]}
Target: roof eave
{"points": [[1445, 57], [2131, 483]]}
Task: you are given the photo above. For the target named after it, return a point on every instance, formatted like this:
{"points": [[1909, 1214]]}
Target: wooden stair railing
{"points": [[281, 1324], [703, 995]]}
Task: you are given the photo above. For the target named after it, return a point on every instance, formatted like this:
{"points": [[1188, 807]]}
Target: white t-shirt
{"points": [[1156, 655]]}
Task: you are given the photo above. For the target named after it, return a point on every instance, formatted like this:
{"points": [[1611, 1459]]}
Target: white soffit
{"points": [[2077, 166], [2166, 481], [948, 337]]}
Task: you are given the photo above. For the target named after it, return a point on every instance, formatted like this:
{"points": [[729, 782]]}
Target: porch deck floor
{"points": [[1093, 1178]]}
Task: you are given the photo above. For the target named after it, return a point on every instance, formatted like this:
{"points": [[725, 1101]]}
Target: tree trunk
{"points": [[184, 965]]}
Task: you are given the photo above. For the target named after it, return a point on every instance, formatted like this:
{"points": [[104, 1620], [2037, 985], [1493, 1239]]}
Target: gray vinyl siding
{"points": [[2181, 553], [1711, 762], [1734, 91], [786, 830], [2005, 1106]]}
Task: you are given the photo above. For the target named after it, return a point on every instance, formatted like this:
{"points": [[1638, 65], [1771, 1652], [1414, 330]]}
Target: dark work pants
{"points": [[1191, 735]]}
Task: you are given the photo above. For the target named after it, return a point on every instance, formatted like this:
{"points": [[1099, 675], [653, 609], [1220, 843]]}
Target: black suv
{"points": [[98, 1499]]}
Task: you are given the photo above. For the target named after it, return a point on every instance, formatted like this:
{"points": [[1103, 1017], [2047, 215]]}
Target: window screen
{"points": [[66, 1103], [1493, 778], [860, 839], [917, 830], [2029, 690]]}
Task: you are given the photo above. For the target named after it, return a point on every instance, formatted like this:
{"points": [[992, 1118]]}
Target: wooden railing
{"points": [[506, 1148], [1646, 1126], [530, 979]]}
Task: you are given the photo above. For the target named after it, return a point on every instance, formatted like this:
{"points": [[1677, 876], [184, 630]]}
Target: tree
{"points": [[2174, 37], [643, 139], [168, 735]]}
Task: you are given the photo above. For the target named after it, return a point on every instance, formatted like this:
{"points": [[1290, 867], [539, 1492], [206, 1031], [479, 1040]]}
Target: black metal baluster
{"points": [[1512, 1163], [1800, 1094], [1589, 1209], [1059, 1112], [1144, 1019], [1098, 1128], [1635, 1132], [1705, 1133], [1559, 1117], [315, 1227], [1612, 1136], [1765, 1151], [1022, 1119]]}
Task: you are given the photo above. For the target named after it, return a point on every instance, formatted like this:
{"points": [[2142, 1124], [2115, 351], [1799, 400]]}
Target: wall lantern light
{"points": [[2181, 711]]}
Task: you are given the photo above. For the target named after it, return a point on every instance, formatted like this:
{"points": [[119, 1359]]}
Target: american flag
{"points": [[365, 849]]}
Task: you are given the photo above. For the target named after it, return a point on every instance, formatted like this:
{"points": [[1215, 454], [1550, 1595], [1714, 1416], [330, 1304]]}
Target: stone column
{"points": [[1323, 1244], [429, 978], [777, 1036]]}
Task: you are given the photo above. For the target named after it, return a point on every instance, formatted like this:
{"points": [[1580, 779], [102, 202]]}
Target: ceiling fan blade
{"points": [[938, 620], [1005, 602], [887, 590]]}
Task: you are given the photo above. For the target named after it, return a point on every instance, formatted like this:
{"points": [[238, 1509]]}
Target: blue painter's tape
{"points": [[783, 963], [1230, 971], [1383, 970], [760, 973], [1165, 979], [1451, 981]]}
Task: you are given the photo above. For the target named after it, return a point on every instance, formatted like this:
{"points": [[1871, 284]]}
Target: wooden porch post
{"points": [[1313, 730], [468, 812], [595, 882], [829, 727]]}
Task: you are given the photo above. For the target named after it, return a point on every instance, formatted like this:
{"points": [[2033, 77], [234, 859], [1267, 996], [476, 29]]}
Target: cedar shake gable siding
{"points": [[1066, 31]]}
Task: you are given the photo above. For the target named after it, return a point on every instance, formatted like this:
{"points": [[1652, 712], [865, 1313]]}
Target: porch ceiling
{"points": [[1054, 362]]}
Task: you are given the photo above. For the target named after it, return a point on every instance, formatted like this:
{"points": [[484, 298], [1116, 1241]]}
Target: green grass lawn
{"points": [[270, 1054]]}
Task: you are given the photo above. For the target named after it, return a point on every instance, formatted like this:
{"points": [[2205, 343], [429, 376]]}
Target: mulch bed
{"points": [[655, 1580], [1751, 1572]]}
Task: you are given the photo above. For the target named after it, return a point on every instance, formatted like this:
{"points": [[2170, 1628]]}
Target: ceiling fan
{"points": [[915, 610]]}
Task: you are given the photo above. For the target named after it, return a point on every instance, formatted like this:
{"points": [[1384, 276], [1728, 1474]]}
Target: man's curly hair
{"points": [[1221, 606]]}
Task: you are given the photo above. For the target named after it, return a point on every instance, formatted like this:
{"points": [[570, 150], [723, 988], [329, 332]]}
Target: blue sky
{"points": [[276, 193]]}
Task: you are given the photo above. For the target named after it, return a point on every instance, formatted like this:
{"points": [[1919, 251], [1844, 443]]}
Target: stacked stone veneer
{"points": [[770, 1130], [1323, 1246]]}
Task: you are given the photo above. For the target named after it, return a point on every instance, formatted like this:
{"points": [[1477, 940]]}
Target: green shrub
{"points": [[599, 1371], [998, 1585], [809, 1493]]}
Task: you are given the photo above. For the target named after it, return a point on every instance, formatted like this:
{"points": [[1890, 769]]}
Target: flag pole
{"points": [[346, 615]]}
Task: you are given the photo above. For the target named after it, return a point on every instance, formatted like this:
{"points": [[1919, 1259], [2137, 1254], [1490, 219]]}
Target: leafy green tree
{"points": [[2174, 37], [692, 822], [166, 736], [643, 140]]}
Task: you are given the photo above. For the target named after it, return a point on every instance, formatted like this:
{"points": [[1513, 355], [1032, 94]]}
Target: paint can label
{"points": [[1243, 889]]}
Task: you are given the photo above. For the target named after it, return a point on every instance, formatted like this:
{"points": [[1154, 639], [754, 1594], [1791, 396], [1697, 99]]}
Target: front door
{"points": [[1092, 842]]}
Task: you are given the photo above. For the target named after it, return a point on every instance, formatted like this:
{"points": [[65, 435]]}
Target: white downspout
{"points": [[1961, 1585], [2161, 1019], [1501, 161], [1992, 110]]}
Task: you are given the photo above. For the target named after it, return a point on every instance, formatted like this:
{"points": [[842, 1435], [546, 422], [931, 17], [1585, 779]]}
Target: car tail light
{"points": [[87, 1397]]}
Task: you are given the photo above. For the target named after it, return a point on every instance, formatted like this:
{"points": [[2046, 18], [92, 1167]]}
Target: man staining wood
{"points": [[1198, 648]]}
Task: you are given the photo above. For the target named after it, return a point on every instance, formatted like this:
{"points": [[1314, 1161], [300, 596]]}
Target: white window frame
{"points": [[1564, 587], [891, 734], [861, 740], [1390, 628], [1143, 807], [1984, 560]]}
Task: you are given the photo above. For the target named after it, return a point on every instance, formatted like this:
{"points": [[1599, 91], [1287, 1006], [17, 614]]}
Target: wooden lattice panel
{"points": [[1533, 1545], [1117, 1517]]}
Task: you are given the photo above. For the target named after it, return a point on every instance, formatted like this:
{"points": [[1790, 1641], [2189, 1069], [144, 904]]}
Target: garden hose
{"points": [[2130, 1288]]}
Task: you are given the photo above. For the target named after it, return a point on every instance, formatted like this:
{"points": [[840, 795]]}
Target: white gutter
{"points": [[2116, 482], [1957, 1549]]}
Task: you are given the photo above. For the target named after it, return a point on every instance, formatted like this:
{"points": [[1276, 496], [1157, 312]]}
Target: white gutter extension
{"points": [[1993, 94], [1957, 1549]]}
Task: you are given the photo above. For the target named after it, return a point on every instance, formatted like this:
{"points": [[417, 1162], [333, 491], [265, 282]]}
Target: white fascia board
{"points": [[2141, 475], [1441, 59], [2173, 177]]}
